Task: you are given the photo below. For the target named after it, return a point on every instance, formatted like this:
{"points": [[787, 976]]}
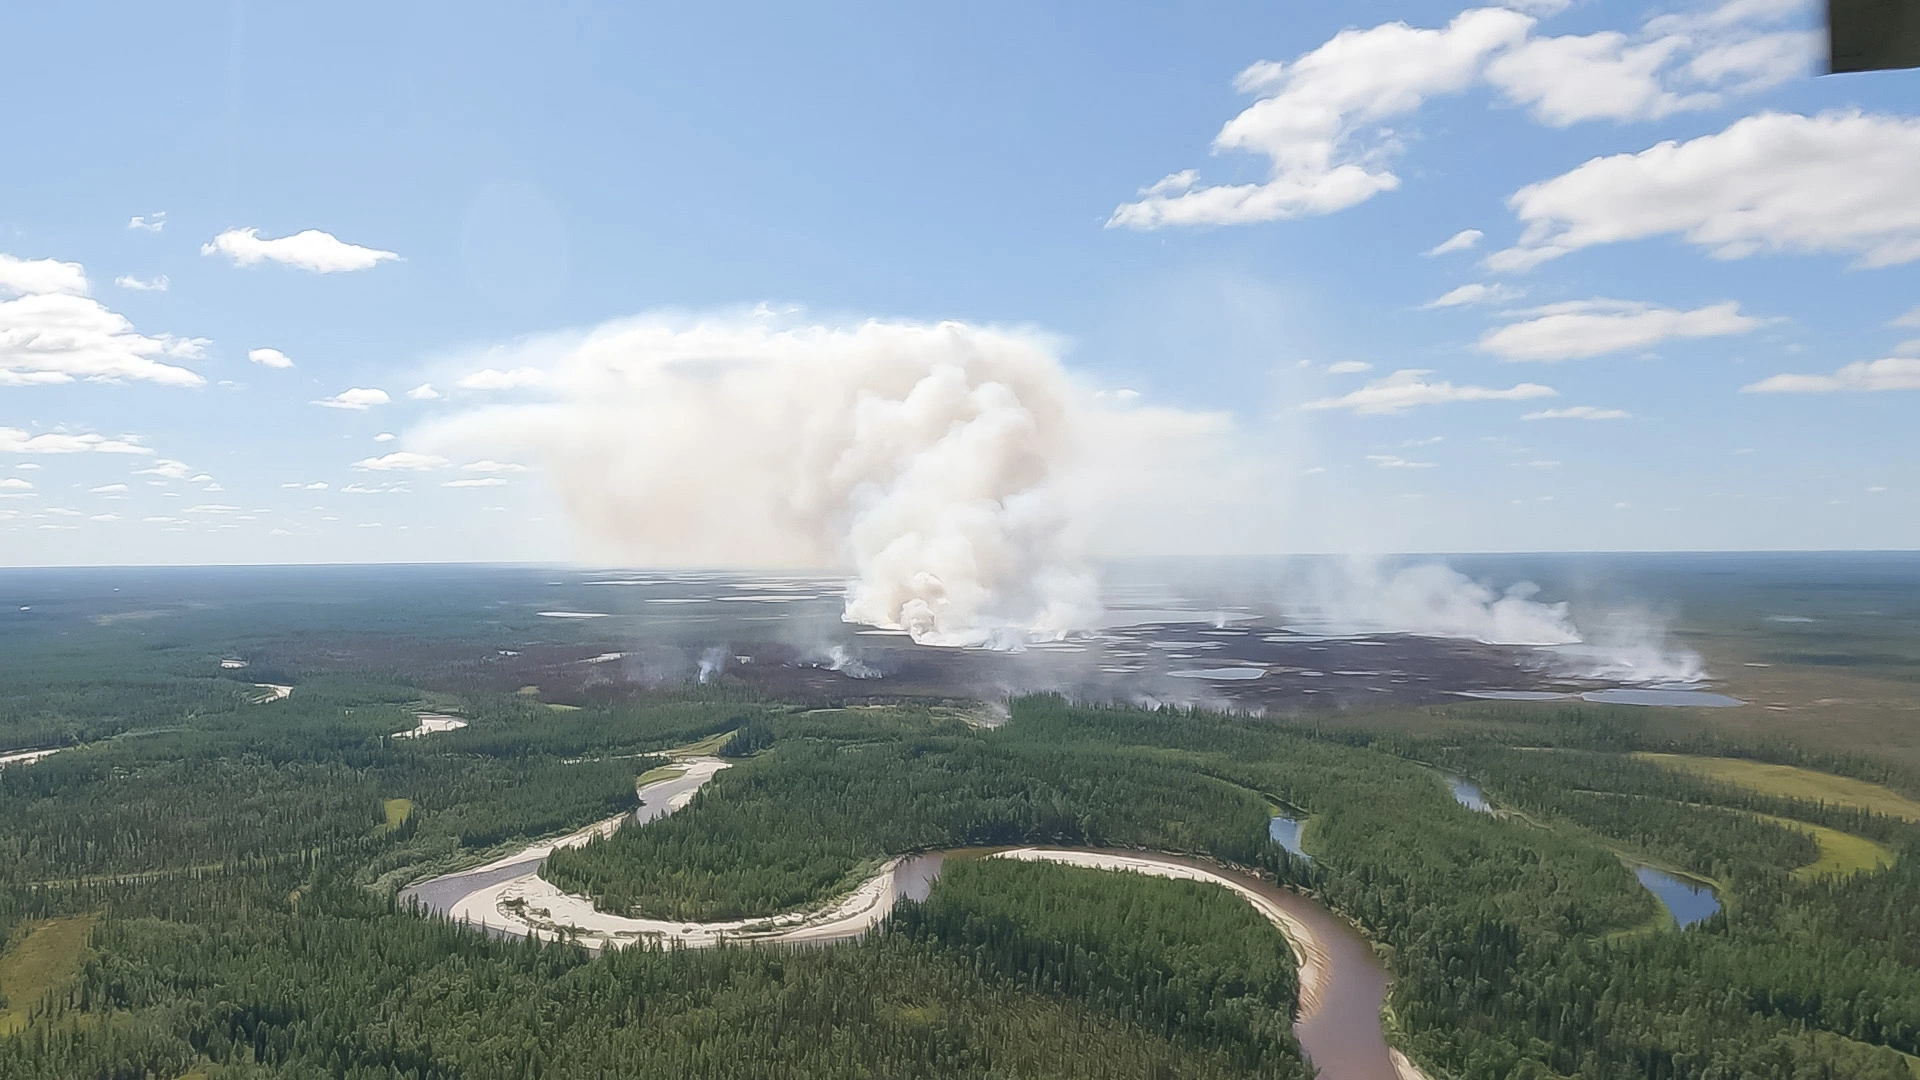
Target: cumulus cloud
{"points": [[1410, 388], [272, 358], [1676, 62], [385, 436], [1840, 182], [401, 461], [424, 392], [1892, 373], [494, 379], [319, 252], [475, 482], [1463, 240], [1395, 461], [15, 483], [153, 284], [167, 469], [52, 331], [41, 276], [1604, 76], [1317, 120], [109, 490], [149, 222], [1475, 293], [1578, 412], [18, 441], [1348, 367], [488, 465], [1320, 121], [357, 398], [1582, 328]]}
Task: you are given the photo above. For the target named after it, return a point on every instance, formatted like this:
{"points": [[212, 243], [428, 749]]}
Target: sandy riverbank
{"points": [[1343, 985]]}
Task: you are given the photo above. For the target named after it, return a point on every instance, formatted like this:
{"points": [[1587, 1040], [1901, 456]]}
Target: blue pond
{"points": [[1468, 794], [1286, 832], [1628, 696], [1689, 903]]}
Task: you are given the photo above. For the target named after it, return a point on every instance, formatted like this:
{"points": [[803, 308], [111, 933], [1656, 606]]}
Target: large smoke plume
{"points": [[927, 460]]}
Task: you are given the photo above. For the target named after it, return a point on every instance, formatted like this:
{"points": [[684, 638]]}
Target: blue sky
{"points": [[540, 173]]}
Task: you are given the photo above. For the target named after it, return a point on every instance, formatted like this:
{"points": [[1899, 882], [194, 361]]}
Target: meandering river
{"points": [[1343, 984]]}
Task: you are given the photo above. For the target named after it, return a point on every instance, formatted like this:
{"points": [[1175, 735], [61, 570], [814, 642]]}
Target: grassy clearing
{"points": [[664, 772], [1787, 781], [706, 747], [1840, 853], [45, 959], [397, 811]]}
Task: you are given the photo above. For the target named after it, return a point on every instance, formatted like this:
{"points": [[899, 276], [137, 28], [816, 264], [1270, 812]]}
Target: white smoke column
{"points": [[712, 662], [1358, 595], [926, 459]]}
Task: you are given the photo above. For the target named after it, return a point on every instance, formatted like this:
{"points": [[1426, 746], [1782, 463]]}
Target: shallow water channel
{"points": [[1688, 902]]}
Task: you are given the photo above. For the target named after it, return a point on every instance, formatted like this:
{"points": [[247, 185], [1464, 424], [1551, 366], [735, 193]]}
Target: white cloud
{"points": [[1317, 121], [212, 508], [14, 483], [1348, 367], [488, 465], [17, 441], [166, 520], [475, 482], [148, 223], [401, 461], [272, 358], [167, 469], [1320, 120], [109, 490], [1408, 389], [1893, 373], [1584, 328], [424, 392], [1475, 293], [39, 276], [1460, 241], [356, 398], [385, 436], [1758, 63], [376, 489], [1578, 412], [1394, 461], [312, 250], [1604, 76], [1911, 319], [1542, 8], [152, 284], [1677, 62], [104, 517], [492, 379], [1840, 182], [53, 332]]}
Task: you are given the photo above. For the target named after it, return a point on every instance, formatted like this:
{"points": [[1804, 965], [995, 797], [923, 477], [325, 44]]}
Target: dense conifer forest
{"points": [[227, 871]]}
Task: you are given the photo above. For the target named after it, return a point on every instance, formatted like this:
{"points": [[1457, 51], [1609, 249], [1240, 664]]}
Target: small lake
{"points": [[1228, 673], [1689, 903], [1285, 831], [1625, 696], [1468, 794]]}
